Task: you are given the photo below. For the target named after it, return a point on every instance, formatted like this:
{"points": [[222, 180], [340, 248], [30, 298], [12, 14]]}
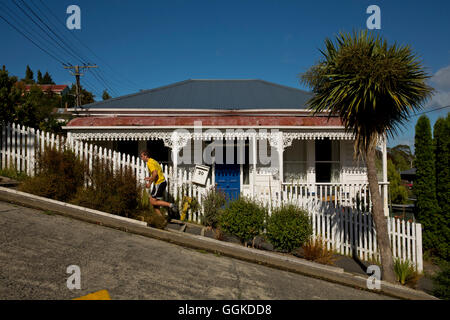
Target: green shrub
{"points": [[111, 191], [442, 282], [58, 176], [213, 206], [243, 218], [288, 227], [405, 271]]}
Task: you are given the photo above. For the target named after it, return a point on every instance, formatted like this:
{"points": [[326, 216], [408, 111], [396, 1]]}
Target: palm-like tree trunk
{"points": [[387, 263]]}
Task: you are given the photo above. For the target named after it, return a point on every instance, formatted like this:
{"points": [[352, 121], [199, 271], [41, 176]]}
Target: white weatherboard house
{"points": [[254, 119], [274, 150]]}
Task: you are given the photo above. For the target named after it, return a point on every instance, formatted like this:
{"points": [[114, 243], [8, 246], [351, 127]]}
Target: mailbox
{"points": [[200, 174]]}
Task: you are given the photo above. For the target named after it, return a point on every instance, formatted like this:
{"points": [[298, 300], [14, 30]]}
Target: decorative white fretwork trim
{"points": [[179, 138], [120, 135], [319, 135]]}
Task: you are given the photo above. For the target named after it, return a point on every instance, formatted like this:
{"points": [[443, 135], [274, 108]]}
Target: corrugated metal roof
{"points": [[212, 94], [411, 171]]}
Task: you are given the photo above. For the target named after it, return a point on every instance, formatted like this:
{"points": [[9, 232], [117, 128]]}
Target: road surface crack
{"points": [[238, 279]]}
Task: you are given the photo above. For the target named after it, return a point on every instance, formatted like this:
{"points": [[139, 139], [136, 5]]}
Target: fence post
{"points": [[419, 247], [3, 145], [42, 139], [16, 150], [30, 151]]}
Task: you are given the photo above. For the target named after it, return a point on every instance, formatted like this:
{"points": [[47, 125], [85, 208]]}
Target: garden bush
{"points": [[288, 227], [58, 176], [111, 191], [213, 206], [442, 282], [243, 218]]}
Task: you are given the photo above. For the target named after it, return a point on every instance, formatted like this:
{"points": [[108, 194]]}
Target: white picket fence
{"points": [[342, 218], [20, 145], [340, 214]]}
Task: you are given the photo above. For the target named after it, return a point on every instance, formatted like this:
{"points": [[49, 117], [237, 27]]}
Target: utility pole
{"points": [[77, 75]]}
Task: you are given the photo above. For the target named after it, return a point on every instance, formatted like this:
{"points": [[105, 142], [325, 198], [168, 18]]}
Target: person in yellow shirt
{"points": [[159, 184]]}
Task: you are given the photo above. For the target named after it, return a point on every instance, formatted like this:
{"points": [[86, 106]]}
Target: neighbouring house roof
{"points": [[56, 88], [211, 94], [409, 171], [409, 174]]}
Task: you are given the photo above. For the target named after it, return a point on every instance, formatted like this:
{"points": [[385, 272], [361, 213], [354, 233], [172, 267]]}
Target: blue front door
{"points": [[228, 179]]}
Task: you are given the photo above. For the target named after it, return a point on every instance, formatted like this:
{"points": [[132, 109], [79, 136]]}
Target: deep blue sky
{"points": [[146, 44]]}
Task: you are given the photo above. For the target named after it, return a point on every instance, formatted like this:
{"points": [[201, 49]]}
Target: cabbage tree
{"points": [[373, 88]]}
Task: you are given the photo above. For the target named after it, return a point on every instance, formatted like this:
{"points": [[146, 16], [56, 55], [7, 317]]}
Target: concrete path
{"points": [[37, 247]]}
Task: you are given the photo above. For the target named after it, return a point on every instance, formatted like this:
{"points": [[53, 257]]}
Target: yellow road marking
{"points": [[99, 295]]}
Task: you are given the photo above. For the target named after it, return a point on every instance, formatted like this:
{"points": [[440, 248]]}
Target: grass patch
{"points": [[12, 173], [406, 272], [316, 250], [48, 213]]}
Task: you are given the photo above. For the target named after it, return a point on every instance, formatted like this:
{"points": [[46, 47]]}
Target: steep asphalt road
{"points": [[37, 247]]}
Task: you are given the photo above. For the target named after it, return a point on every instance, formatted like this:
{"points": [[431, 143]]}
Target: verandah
{"points": [[340, 213]]}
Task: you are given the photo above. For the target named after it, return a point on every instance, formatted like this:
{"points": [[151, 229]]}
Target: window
{"points": [[294, 162], [327, 161]]}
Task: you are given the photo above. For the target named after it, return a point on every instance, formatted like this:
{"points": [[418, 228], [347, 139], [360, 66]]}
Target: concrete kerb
{"points": [[297, 265]]}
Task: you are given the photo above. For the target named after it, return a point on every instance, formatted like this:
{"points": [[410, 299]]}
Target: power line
{"points": [[45, 32], [94, 89], [92, 84], [23, 34], [114, 73], [98, 75], [418, 114], [77, 56], [18, 23], [35, 38], [62, 44]]}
